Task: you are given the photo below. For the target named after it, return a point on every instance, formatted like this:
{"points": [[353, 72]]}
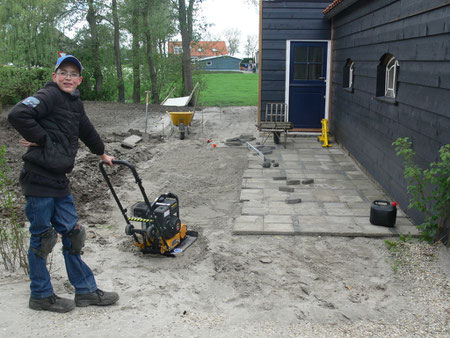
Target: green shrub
{"points": [[13, 237], [19, 83], [429, 189]]}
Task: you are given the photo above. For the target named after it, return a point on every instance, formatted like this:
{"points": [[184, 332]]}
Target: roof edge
{"points": [[337, 7]]}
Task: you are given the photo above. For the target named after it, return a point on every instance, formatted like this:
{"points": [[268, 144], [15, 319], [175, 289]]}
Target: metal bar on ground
{"points": [[259, 153]]}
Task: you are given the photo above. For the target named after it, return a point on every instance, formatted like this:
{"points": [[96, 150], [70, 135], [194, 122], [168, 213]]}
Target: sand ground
{"points": [[223, 285]]}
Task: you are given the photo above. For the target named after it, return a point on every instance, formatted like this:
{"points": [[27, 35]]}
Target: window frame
{"points": [[348, 75], [387, 79], [391, 77]]}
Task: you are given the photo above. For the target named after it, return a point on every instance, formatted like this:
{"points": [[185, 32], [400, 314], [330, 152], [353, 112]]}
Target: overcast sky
{"points": [[226, 14]]}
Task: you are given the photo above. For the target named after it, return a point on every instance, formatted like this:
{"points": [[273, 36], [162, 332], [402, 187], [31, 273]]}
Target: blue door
{"points": [[307, 85]]}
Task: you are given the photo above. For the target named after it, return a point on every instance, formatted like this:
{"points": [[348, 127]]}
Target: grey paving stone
{"points": [[288, 210], [248, 224], [279, 229], [251, 195], [251, 173], [332, 205], [351, 230], [407, 230], [339, 212], [308, 211], [377, 231], [349, 198], [325, 195], [290, 157], [293, 200], [131, 141], [278, 219], [361, 212]]}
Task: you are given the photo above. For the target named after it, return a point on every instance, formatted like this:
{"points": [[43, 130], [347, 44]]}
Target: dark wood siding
{"points": [[417, 33], [282, 21]]}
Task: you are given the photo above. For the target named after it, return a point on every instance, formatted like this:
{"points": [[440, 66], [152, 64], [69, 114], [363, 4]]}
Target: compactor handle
{"points": [[136, 177], [129, 165]]}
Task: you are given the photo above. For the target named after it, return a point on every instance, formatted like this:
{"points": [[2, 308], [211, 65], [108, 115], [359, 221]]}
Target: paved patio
{"points": [[336, 204]]}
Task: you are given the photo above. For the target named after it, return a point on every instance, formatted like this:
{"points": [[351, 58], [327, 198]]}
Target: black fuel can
{"points": [[383, 213]]}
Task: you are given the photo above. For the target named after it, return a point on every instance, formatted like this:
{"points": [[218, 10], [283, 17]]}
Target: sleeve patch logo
{"points": [[31, 102]]}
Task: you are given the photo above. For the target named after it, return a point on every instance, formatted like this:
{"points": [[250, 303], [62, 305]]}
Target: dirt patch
{"points": [[223, 285]]}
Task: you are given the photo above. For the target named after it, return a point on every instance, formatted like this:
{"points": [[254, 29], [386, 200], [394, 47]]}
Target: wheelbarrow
{"points": [[181, 121]]}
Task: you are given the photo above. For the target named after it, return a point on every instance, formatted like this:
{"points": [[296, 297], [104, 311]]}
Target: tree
{"points": [[186, 23], [232, 37], [117, 53], [250, 46], [149, 42], [91, 18], [135, 52], [28, 34], [252, 2]]}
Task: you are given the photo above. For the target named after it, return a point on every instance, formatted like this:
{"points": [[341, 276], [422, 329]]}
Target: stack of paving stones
{"points": [[314, 191]]}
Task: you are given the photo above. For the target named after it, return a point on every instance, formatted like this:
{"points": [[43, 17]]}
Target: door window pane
{"points": [[315, 72], [315, 54], [301, 54], [300, 72]]}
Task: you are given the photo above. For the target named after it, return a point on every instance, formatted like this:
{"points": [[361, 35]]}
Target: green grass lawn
{"points": [[228, 89]]}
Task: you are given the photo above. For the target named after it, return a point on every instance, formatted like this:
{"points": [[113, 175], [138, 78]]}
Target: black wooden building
{"points": [[294, 53], [387, 76]]}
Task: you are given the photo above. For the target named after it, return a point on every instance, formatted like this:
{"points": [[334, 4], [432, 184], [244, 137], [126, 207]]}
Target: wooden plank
{"points": [[283, 24], [270, 96], [273, 65], [323, 34], [294, 13], [296, 4], [274, 54], [274, 75], [278, 44]]}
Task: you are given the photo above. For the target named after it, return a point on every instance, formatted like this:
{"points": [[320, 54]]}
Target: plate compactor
{"points": [[161, 230]]}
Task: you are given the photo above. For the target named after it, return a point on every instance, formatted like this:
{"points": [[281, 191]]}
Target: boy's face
{"points": [[67, 77]]}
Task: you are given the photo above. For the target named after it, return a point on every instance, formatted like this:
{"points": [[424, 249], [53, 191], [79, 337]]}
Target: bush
{"points": [[19, 83], [13, 237], [429, 190]]}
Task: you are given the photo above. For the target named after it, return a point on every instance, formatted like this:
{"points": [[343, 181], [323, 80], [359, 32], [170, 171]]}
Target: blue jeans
{"points": [[59, 213]]}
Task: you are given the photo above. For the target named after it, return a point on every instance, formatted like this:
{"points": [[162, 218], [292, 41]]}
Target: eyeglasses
{"points": [[68, 75]]}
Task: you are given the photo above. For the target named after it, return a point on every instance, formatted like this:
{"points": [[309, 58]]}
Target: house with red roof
{"points": [[200, 49]]}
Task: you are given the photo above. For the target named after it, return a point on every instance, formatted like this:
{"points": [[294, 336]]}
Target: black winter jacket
{"points": [[55, 121]]}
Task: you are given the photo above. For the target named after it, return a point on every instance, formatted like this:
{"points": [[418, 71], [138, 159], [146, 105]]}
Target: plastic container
{"points": [[383, 213]]}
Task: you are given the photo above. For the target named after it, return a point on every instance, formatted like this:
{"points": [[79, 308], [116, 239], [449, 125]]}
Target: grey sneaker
{"points": [[98, 297], [52, 303]]}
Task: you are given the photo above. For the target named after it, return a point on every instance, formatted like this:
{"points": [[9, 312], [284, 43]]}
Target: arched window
{"points": [[387, 75], [348, 74], [391, 78]]}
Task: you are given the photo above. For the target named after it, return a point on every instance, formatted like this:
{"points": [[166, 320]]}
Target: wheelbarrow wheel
{"points": [[182, 129], [276, 137]]}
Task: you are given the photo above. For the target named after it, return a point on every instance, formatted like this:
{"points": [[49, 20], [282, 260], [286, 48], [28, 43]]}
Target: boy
{"points": [[51, 122]]}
